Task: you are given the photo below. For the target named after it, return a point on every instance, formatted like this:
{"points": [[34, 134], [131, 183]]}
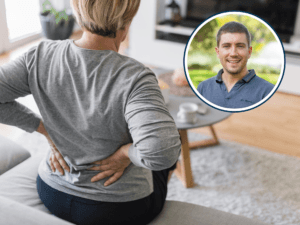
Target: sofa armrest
{"points": [[12, 213], [11, 154]]}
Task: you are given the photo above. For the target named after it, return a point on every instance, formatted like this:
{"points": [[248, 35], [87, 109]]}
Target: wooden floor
{"points": [[274, 126]]}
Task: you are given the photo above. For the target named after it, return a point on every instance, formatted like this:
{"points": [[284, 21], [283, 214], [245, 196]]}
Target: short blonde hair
{"points": [[104, 17]]}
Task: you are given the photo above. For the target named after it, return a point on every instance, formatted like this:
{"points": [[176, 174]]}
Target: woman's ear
{"points": [[126, 30]]}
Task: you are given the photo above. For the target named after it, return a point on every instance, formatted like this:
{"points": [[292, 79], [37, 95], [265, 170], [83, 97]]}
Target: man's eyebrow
{"points": [[239, 43]]}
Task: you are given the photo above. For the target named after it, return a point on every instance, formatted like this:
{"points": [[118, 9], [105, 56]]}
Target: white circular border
{"points": [[233, 109]]}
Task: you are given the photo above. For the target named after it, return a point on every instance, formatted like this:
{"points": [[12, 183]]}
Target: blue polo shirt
{"points": [[246, 92]]}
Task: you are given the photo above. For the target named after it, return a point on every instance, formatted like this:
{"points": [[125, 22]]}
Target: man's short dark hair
{"points": [[233, 27]]}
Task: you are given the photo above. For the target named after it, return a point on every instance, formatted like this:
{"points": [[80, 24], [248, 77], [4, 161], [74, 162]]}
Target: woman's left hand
{"points": [[113, 166], [56, 159]]}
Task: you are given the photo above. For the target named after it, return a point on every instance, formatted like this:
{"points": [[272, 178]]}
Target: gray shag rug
{"points": [[231, 177]]}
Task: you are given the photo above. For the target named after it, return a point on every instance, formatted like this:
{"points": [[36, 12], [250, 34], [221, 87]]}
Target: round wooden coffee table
{"points": [[212, 116]]}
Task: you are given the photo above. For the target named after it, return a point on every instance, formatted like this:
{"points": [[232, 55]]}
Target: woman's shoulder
{"points": [[131, 67], [51, 44], [112, 63], [45, 47], [131, 62]]}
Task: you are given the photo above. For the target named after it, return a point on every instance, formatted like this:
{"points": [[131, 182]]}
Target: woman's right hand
{"points": [[113, 166]]}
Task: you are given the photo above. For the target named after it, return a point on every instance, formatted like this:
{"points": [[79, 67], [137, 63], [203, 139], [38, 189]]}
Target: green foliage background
{"points": [[202, 59]]}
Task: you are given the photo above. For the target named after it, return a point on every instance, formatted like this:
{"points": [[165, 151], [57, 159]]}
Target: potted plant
{"points": [[56, 25]]}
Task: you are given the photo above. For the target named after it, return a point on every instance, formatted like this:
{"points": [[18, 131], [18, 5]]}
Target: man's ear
{"points": [[250, 51], [217, 51]]}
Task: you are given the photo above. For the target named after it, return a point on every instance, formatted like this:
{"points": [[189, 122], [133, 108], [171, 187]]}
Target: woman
{"points": [[100, 111]]}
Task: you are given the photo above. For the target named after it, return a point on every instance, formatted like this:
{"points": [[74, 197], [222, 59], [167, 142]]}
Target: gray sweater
{"points": [[92, 102]]}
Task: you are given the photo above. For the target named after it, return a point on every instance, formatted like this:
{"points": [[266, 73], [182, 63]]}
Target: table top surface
{"points": [[211, 117]]}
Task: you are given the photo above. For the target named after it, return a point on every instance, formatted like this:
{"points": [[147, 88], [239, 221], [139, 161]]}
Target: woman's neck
{"points": [[97, 42]]}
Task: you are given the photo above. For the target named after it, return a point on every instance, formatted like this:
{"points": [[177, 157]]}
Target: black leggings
{"points": [[84, 211]]}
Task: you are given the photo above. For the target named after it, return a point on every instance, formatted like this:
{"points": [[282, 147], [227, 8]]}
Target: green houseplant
{"points": [[56, 25]]}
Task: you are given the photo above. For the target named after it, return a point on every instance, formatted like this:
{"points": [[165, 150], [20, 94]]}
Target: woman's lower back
{"points": [[135, 183]]}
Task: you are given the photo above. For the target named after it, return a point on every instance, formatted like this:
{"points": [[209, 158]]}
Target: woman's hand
{"points": [[113, 166], [56, 159]]}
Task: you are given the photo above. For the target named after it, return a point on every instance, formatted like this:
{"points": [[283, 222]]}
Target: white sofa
{"points": [[20, 203]]}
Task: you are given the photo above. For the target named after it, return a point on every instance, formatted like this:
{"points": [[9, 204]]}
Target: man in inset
{"points": [[234, 86]]}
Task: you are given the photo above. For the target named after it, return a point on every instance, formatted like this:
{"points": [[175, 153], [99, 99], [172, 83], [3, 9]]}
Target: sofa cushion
{"points": [[11, 154], [12, 213], [175, 212], [19, 183]]}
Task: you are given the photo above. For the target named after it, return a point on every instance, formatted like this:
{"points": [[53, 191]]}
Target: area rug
{"points": [[231, 177], [243, 180]]}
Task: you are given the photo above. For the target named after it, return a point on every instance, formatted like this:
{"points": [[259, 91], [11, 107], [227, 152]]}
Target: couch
{"points": [[20, 203]]}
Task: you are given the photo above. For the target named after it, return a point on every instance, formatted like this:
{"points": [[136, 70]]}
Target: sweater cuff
{"points": [[35, 124], [134, 156], [30, 123]]}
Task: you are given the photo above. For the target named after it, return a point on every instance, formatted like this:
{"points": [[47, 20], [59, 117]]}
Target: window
{"points": [[22, 18], [20, 23]]}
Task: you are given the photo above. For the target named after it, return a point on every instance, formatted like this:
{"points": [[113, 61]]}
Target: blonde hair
{"points": [[104, 17]]}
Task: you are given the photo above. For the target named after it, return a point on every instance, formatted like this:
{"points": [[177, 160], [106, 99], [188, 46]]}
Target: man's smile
{"points": [[233, 61]]}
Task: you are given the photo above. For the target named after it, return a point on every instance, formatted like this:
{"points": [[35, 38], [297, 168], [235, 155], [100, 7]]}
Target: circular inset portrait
{"points": [[234, 61]]}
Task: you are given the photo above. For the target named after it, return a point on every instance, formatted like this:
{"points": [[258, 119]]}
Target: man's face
{"points": [[234, 52]]}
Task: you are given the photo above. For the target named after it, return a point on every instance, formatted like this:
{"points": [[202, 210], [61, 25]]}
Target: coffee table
{"points": [[183, 170]]}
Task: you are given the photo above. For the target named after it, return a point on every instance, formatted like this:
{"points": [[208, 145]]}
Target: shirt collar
{"points": [[219, 76], [249, 76], [246, 78]]}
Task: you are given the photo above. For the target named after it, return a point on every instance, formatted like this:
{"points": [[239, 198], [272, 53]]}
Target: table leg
{"points": [[205, 143], [183, 170]]}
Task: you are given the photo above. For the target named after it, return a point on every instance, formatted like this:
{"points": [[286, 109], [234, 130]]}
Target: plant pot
{"points": [[56, 31]]}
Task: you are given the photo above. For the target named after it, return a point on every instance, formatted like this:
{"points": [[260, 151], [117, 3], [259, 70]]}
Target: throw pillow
{"points": [[11, 154]]}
